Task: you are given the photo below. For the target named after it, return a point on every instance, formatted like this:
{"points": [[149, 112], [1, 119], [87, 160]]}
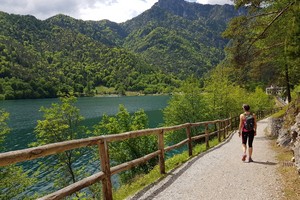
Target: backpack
{"points": [[249, 122]]}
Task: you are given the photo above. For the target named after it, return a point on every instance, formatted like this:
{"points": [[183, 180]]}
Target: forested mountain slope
{"points": [[180, 37], [150, 53]]}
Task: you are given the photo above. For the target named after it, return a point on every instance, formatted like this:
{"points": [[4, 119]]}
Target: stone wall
{"points": [[295, 133], [287, 130]]}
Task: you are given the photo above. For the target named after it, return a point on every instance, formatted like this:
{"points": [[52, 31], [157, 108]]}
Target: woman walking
{"points": [[247, 129]]}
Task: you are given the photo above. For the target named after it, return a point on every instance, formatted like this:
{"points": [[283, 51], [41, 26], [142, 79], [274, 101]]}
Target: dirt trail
{"points": [[221, 174]]}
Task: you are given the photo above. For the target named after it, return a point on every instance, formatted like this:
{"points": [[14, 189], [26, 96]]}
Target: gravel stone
{"points": [[221, 174]]}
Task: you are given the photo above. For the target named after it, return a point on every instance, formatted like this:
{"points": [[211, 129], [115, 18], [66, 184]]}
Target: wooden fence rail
{"points": [[221, 130]]}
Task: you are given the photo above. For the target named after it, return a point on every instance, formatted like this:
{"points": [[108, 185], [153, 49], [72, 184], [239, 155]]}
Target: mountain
{"points": [[150, 53], [180, 37]]}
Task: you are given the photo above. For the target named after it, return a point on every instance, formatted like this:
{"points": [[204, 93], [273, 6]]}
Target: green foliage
{"points": [[296, 92], [61, 123], [4, 129], [222, 95], [13, 180], [187, 106], [264, 47], [63, 55], [130, 149], [280, 113], [259, 100], [177, 43], [42, 59]]}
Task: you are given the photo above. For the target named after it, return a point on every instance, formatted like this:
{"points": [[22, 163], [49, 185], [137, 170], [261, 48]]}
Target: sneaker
{"points": [[244, 157], [250, 159]]}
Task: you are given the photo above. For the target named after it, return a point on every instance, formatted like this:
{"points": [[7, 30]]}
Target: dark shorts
{"points": [[248, 136]]}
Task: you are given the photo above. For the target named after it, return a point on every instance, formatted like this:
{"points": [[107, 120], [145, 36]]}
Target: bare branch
{"points": [[255, 54], [262, 14], [270, 24]]}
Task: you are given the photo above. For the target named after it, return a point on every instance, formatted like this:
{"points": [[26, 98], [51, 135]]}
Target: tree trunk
{"points": [[288, 89]]}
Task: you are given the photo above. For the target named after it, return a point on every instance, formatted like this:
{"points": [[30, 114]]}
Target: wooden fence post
{"points": [[222, 128], [230, 122], [188, 134], [219, 131], [161, 147], [236, 125], [226, 128], [105, 168], [206, 136]]}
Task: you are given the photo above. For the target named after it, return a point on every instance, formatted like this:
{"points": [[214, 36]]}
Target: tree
{"points": [[264, 45], [186, 106], [13, 180], [259, 100], [129, 149], [223, 97], [61, 123]]}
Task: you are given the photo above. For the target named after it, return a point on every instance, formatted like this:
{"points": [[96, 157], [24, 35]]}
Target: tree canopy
{"points": [[264, 47]]}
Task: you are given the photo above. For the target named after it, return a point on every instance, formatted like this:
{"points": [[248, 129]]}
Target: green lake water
{"points": [[25, 113]]}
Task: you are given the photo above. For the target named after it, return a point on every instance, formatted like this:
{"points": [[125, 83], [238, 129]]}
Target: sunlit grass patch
{"points": [[102, 90]]}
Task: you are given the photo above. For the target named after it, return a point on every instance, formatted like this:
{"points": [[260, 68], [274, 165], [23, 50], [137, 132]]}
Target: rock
{"points": [[293, 159], [287, 130], [275, 125], [284, 137], [295, 129]]}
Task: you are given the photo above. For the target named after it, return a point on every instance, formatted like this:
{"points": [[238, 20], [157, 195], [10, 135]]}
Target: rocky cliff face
{"points": [[287, 130], [194, 11], [295, 131]]}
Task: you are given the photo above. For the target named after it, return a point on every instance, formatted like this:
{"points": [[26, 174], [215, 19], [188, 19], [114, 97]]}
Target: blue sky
{"points": [[113, 10]]}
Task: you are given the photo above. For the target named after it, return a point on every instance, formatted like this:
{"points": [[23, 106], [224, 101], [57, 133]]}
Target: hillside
{"points": [[180, 37], [150, 53]]}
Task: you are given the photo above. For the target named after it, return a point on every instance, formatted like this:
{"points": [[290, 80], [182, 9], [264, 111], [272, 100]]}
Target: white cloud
{"points": [[114, 10], [118, 11], [220, 2]]}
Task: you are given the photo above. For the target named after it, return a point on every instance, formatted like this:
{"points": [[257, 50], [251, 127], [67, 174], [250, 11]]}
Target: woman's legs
{"points": [[244, 142], [250, 141]]}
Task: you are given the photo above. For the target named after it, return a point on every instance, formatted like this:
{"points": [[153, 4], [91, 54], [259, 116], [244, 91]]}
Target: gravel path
{"points": [[221, 174]]}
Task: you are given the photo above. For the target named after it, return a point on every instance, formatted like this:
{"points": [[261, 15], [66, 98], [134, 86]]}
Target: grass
{"points": [[131, 93], [290, 178], [280, 113], [105, 90], [142, 181]]}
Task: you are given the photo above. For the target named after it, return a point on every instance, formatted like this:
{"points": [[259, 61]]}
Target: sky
{"points": [[113, 10]]}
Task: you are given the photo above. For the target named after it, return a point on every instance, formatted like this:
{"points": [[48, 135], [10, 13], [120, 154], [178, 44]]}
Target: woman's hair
{"points": [[246, 107]]}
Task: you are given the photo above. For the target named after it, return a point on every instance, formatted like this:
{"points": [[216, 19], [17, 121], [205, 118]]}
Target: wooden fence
{"points": [[221, 130]]}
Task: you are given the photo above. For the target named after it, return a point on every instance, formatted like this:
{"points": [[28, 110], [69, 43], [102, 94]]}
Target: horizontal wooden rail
{"points": [[198, 137], [206, 122], [132, 134], [13, 157], [213, 133], [169, 148], [220, 128], [175, 128], [74, 187], [133, 163]]}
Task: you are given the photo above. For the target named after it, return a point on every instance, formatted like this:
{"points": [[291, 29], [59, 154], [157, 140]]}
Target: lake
{"points": [[25, 113]]}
